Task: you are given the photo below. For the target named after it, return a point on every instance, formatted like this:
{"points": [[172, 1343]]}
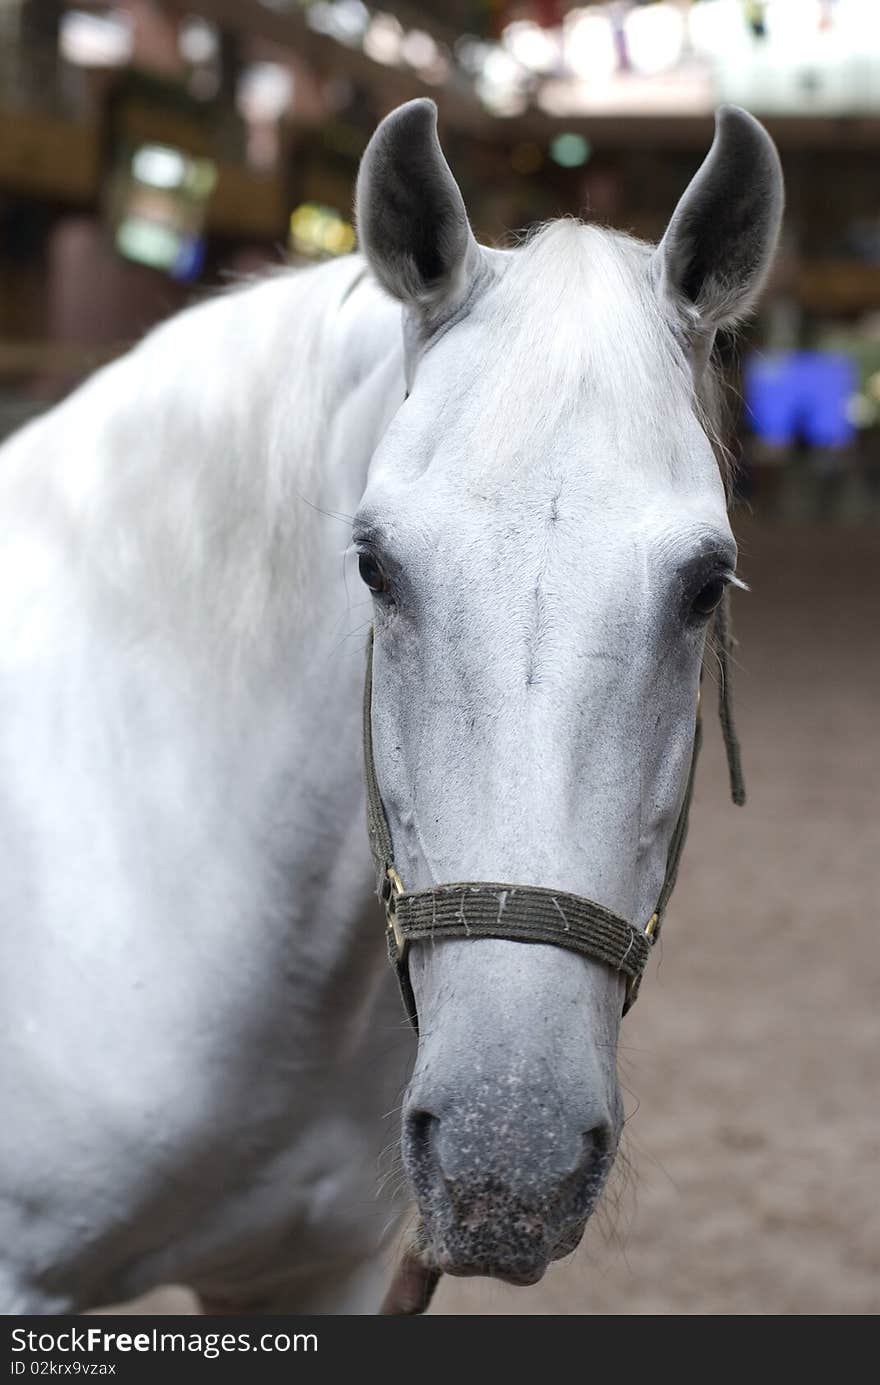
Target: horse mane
{"points": [[716, 410], [175, 483]]}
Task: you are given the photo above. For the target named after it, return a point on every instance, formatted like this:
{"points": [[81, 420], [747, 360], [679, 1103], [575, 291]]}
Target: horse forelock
{"points": [[575, 312]]}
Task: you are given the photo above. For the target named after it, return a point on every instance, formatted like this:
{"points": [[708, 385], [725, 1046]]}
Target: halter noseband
{"points": [[530, 913]]}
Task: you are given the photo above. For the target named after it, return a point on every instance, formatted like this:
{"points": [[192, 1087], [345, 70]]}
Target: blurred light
{"points": [[159, 167], [472, 54], [501, 85], [559, 98], [526, 158], [344, 20], [655, 37], [180, 254], [437, 71], [589, 47], [794, 22], [96, 40], [718, 28], [384, 39], [265, 91], [338, 238], [418, 49], [198, 42], [570, 150], [857, 24], [531, 45], [860, 411], [316, 231], [147, 242], [201, 178]]}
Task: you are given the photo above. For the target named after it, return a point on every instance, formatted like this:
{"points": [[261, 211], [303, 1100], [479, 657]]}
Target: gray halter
{"points": [[529, 913]]}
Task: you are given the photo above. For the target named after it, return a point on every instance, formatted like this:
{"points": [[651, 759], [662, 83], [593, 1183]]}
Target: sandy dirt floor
{"points": [[752, 1060]]}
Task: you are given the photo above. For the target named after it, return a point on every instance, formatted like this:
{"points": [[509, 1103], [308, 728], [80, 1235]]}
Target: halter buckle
{"points": [[392, 887], [651, 926]]}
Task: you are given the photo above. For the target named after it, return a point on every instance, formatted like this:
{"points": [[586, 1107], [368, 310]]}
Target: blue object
{"points": [[801, 394], [189, 260]]}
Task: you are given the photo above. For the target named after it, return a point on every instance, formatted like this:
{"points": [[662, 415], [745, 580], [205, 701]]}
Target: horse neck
{"points": [[183, 493], [200, 474]]}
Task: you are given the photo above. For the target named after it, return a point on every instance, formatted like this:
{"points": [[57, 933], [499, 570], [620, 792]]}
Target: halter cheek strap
{"points": [[529, 913]]}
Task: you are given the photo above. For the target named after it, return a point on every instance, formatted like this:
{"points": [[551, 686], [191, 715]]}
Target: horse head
{"points": [[545, 535]]}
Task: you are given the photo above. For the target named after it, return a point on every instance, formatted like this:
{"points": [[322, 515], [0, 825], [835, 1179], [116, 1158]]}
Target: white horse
{"points": [[201, 1042]]}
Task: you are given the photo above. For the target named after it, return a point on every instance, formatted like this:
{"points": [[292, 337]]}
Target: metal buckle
{"points": [[651, 926], [392, 886]]}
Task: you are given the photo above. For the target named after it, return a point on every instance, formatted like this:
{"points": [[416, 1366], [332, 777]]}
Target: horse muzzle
{"points": [[501, 1191]]}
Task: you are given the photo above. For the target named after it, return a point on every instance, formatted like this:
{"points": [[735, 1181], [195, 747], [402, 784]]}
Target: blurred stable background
{"points": [[151, 152]]}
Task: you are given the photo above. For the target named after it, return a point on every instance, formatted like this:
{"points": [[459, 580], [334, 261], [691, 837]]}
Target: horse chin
{"points": [[569, 1242], [520, 1279], [458, 1262], [516, 1249]]}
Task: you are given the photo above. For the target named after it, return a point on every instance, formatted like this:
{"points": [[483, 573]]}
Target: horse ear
{"points": [[411, 219], [719, 245]]}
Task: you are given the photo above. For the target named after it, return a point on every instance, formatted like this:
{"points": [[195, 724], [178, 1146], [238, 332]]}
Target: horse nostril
{"points": [[420, 1132], [589, 1171], [595, 1143]]}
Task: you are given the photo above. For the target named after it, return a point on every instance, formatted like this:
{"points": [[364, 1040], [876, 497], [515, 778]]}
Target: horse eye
{"points": [[371, 573], [709, 598]]}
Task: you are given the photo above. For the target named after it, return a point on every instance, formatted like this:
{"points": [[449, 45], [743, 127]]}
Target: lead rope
{"points": [[724, 645], [724, 650], [378, 830]]}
